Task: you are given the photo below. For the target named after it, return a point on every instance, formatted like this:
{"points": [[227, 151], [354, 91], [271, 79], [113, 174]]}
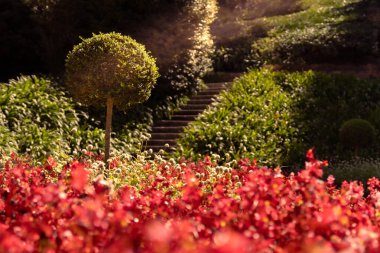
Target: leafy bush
{"points": [[183, 208], [357, 133], [311, 45], [253, 119], [274, 116], [38, 119], [323, 102]]}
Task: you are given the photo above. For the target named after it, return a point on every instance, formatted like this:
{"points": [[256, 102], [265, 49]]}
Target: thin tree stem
{"points": [[108, 130]]}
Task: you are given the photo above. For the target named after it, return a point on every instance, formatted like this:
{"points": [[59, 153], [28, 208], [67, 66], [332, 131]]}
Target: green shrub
{"points": [[38, 119], [253, 119], [110, 66], [323, 102], [311, 45], [324, 32], [357, 133], [110, 70], [276, 116]]}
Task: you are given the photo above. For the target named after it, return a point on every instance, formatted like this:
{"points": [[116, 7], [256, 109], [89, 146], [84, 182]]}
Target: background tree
{"points": [[110, 69]]}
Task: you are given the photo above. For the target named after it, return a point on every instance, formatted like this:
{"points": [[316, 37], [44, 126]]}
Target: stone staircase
{"points": [[165, 133]]}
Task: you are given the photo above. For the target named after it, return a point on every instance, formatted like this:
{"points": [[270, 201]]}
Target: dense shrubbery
{"points": [[253, 119], [324, 102], [273, 116], [177, 33], [183, 208], [38, 119]]}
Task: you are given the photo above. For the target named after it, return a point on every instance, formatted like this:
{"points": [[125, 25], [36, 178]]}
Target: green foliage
{"points": [[311, 45], [252, 120], [357, 133], [183, 45], [276, 116], [323, 102], [253, 33], [238, 24], [110, 65], [37, 118], [324, 31]]}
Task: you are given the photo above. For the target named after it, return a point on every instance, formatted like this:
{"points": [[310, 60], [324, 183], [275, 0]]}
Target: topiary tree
{"points": [[113, 70], [357, 133]]}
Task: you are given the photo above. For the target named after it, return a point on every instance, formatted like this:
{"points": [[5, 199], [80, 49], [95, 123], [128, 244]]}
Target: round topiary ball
{"points": [[357, 133], [110, 66], [374, 118]]}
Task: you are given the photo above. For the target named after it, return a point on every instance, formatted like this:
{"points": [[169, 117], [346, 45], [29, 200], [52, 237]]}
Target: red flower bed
{"points": [[248, 209]]}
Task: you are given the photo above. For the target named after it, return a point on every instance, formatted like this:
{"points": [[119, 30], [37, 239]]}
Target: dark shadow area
{"points": [[324, 102], [20, 41]]}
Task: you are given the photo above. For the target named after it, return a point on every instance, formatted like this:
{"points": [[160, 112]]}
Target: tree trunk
{"points": [[108, 130]]}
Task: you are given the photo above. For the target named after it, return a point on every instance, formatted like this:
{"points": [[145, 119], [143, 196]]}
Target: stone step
{"points": [[161, 142], [194, 107], [210, 92], [171, 123], [200, 97], [184, 117], [167, 129], [188, 112], [218, 85], [200, 101], [164, 136]]}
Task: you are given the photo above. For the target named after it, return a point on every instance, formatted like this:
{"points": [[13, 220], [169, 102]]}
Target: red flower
{"points": [[79, 176]]}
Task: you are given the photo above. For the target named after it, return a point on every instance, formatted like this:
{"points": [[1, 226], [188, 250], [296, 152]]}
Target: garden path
{"points": [[165, 132]]}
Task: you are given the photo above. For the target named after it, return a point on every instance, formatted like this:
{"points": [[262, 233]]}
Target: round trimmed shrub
{"points": [[113, 70], [110, 65], [357, 133], [374, 117]]}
